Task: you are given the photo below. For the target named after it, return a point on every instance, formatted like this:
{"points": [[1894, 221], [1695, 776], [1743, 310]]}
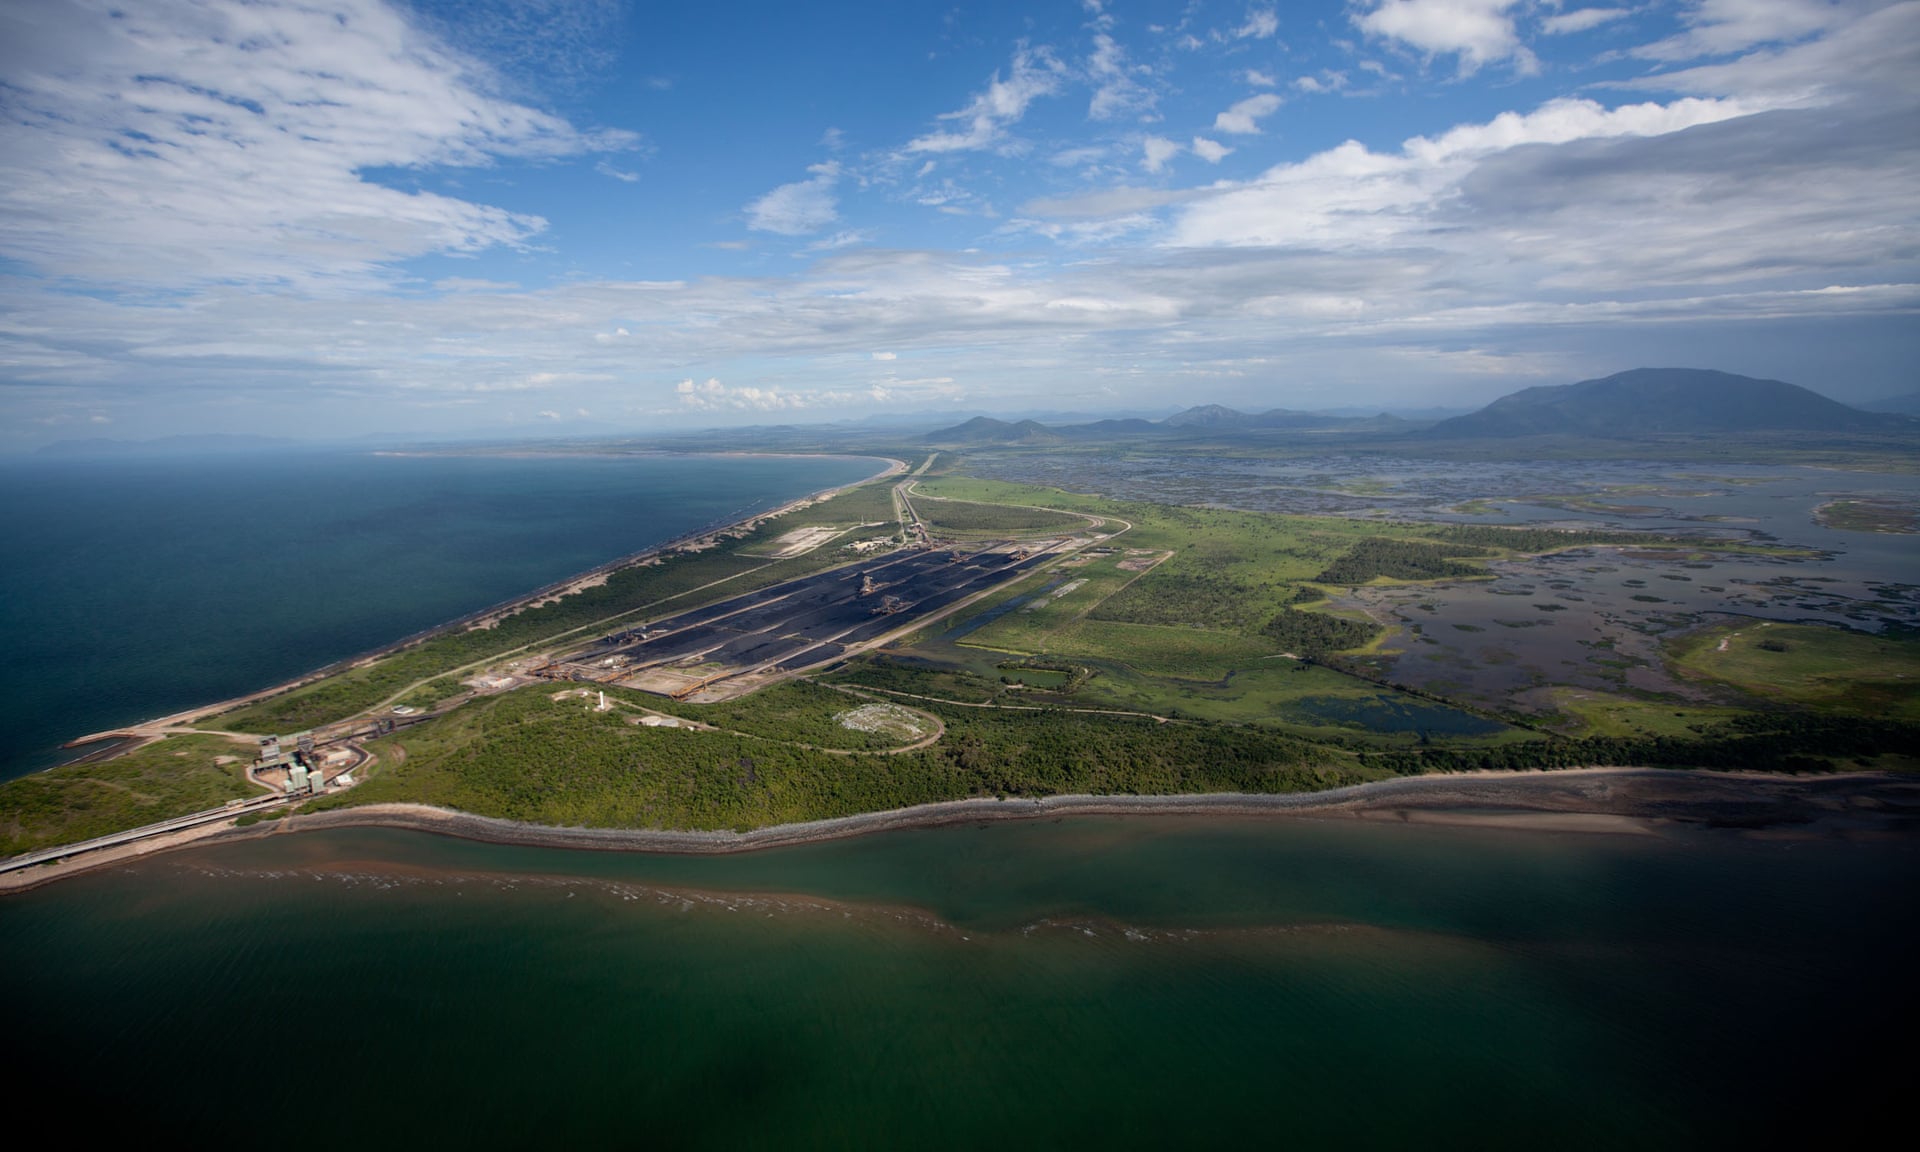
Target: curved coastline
{"points": [[1596, 800], [144, 729], [1629, 800]]}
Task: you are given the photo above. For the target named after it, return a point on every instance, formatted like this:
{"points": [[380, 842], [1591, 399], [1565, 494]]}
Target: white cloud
{"points": [[1156, 151], [190, 141], [1327, 81], [1352, 196], [1254, 78], [886, 355], [1117, 92], [1212, 151], [1034, 73], [798, 208], [625, 177], [1722, 27], [1261, 23], [1243, 119], [1479, 32], [1581, 19]]}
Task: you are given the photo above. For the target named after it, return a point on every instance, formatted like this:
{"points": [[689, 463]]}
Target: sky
{"points": [[326, 218]]}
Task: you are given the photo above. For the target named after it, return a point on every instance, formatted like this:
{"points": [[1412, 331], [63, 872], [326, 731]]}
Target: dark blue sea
{"points": [[132, 588]]}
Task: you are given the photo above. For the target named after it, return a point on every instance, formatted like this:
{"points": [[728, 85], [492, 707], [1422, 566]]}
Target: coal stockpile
{"points": [[812, 619]]}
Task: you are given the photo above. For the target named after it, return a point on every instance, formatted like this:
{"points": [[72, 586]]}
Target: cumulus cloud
{"points": [[1156, 151], [1478, 32], [1212, 151], [1035, 72], [193, 141], [1243, 119], [799, 208]]}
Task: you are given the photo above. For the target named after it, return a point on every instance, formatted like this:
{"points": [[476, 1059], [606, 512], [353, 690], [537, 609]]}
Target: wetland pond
{"points": [[1589, 617]]}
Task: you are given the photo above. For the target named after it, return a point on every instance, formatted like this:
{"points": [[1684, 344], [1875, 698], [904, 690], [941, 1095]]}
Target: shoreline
{"points": [[146, 730], [1849, 807]]}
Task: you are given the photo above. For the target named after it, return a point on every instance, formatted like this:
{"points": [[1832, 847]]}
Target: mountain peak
{"points": [[1655, 401]]}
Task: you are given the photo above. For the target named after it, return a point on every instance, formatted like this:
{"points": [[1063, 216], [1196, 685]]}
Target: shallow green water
{"points": [[1140, 982]]}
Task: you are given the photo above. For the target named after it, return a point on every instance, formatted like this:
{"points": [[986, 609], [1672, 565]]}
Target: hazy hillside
{"points": [[1648, 401]]}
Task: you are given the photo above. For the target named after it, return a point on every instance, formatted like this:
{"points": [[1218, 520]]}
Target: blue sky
{"points": [[329, 218]]}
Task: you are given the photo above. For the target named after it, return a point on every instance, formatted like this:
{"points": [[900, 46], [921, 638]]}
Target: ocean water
{"points": [[1134, 982], [130, 589]]}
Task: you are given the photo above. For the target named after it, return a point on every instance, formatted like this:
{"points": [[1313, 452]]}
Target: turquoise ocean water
{"points": [[134, 588]]}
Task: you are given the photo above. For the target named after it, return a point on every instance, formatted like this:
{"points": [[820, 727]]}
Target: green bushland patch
{"points": [[1589, 712], [1315, 633], [524, 756], [168, 778], [1400, 560], [1865, 515], [893, 675], [1809, 666], [432, 692], [627, 592], [799, 711], [249, 819], [1774, 742], [969, 518]]}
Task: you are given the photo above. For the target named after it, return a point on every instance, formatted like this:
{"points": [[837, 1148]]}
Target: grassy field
{"points": [[168, 778], [965, 518], [1588, 712], [1809, 666]]}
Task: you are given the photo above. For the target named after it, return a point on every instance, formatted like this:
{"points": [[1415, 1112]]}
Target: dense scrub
{"points": [[1774, 742], [169, 778], [524, 756], [1399, 560], [1314, 634], [1196, 599]]}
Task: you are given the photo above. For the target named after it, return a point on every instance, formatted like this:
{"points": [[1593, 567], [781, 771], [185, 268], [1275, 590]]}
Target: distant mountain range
{"points": [[1641, 402], [1194, 423], [1655, 401]]}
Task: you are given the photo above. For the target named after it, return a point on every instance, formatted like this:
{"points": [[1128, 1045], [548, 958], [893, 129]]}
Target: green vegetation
{"points": [[168, 778], [964, 518], [1808, 666], [1376, 557], [1890, 516], [1316, 634], [797, 711], [525, 756]]}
